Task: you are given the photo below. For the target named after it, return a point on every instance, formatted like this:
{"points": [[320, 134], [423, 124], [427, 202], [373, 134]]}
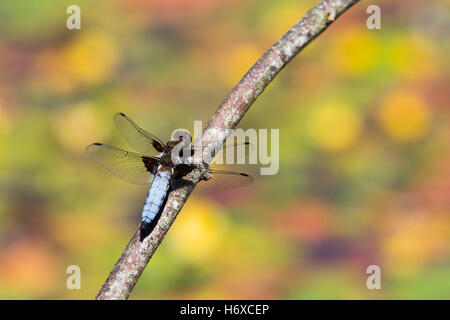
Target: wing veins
{"points": [[128, 166]]}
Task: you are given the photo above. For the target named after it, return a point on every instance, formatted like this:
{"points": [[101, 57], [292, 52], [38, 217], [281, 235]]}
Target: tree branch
{"points": [[136, 255]]}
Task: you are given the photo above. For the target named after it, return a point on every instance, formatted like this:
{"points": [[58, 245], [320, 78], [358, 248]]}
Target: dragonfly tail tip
{"points": [[144, 230], [144, 226]]}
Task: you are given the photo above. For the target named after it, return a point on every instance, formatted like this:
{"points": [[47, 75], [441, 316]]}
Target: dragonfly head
{"points": [[180, 147]]}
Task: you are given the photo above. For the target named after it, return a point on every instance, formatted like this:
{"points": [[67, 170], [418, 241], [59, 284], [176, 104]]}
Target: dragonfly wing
{"points": [[130, 167], [223, 179], [139, 139], [235, 153]]}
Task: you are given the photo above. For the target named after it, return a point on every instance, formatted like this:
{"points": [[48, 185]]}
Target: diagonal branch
{"points": [[137, 254]]}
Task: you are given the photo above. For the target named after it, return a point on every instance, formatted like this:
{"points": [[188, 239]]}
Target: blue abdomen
{"points": [[156, 196]]}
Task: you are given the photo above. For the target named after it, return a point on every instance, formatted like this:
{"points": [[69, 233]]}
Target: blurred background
{"points": [[364, 149]]}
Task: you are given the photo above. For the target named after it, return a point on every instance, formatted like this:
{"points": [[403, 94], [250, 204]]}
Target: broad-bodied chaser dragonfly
{"points": [[160, 171]]}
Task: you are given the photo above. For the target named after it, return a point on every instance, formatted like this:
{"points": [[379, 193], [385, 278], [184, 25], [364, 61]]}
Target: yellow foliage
{"points": [[77, 126], [404, 116], [355, 51], [30, 266], [78, 232], [334, 126], [412, 58], [237, 62], [90, 59], [415, 243], [280, 17], [197, 231]]}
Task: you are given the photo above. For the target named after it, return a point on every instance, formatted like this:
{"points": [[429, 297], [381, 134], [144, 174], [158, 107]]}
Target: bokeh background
{"points": [[364, 153]]}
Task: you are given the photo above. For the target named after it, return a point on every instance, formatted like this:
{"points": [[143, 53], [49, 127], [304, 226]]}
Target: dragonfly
{"points": [[154, 164]]}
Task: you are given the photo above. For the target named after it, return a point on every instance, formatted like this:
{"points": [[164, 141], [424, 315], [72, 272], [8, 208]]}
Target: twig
{"points": [[136, 255]]}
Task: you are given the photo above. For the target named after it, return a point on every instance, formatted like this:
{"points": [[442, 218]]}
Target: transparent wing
{"points": [[128, 166], [223, 179], [139, 139]]}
